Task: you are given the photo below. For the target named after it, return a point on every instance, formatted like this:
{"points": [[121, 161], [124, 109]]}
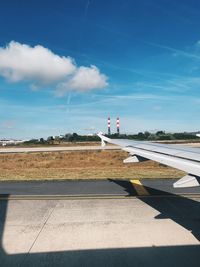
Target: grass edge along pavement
{"points": [[79, 165]]}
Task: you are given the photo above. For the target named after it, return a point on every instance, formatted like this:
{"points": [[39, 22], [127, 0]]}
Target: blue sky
{"points": [[65, 66]]}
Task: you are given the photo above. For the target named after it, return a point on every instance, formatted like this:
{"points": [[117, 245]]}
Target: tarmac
{"points": [[104, 223], [95, 188]]}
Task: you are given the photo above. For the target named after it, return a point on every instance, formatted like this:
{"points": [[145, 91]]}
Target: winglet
{"points": [[104, 139]]}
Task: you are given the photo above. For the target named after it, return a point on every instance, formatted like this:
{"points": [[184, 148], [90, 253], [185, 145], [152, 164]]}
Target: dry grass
{"points": [[78, 165]]}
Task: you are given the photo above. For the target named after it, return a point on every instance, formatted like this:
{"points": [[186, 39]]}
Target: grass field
{"points": [[79, 165]]}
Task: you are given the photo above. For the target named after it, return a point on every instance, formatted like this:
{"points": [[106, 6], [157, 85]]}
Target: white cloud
{"points": [[84, 79], [87, 78], [38, 65], [22, 62]]}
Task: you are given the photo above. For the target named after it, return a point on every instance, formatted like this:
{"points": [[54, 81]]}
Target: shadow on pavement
{"points": [[176, 256], [128, 188], [182, 210]]}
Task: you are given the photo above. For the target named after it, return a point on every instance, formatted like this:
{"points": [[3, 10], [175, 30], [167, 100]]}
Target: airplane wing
{"points": [[179, 157]]}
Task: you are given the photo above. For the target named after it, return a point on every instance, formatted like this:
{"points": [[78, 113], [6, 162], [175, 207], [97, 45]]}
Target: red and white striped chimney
{"points": [[118, 125], [109, 126]]}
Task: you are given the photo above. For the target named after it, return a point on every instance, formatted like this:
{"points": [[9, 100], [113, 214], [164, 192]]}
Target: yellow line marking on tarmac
{"points": [[62, 197], [140, 189]]}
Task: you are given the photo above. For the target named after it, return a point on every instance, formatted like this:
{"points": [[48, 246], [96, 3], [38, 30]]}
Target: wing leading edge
{"points": [[179, 157]]}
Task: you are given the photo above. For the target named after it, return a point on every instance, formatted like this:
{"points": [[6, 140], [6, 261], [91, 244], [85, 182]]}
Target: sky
{"points": [[68, 65]]}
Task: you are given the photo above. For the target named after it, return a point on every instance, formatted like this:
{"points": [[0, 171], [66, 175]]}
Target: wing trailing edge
{"points": [[182, 158]]}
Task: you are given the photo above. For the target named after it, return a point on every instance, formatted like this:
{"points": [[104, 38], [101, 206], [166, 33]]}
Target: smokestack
{"points": [[108, 125], [117, 125]]}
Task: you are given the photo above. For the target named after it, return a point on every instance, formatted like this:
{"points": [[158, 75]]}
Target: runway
{"points": [[55, 149], [99, 223]]}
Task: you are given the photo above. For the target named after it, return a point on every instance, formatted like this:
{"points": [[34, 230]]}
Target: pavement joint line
{"points": [[36, 238], [138, 186]]}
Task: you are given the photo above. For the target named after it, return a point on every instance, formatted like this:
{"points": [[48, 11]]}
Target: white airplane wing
{"points": [[179, 157]]}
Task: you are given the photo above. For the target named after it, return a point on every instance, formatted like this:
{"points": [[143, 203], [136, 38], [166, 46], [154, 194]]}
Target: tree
{"points": [[42, 140], [160, 133], [146, 134], [141, 135], [50, 140]]}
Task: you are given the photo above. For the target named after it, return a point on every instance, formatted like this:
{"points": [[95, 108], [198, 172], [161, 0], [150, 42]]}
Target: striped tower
{"points": [[109, 126], [117, 125]]}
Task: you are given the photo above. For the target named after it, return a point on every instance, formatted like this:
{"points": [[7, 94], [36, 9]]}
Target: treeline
{"points": [[62, 139], [143, 136], [158, 136]]}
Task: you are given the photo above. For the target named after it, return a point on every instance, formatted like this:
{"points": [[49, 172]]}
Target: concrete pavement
{"points": [[100, 232], [115, 227]]}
